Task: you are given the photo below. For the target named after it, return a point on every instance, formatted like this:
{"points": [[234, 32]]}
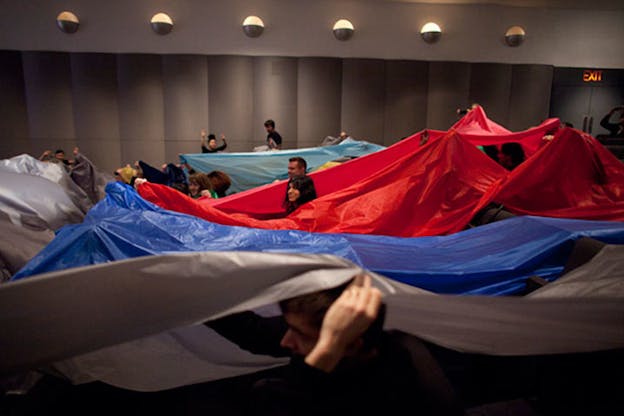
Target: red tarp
{"points": [[410, 190], [477, 129], [573, 176]]}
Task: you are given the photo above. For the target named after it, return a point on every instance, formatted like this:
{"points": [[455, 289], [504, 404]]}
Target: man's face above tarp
{"points": [[295, 169]]}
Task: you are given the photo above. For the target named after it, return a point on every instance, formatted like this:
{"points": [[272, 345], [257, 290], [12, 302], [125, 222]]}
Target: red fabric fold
{"points": [[574, 176], [411, 190]]}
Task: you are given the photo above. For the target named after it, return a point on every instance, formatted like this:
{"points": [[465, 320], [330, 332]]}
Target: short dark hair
{"points": [[313, 305], [301, 161], [269, 123], [212, 137], [59, 151]]}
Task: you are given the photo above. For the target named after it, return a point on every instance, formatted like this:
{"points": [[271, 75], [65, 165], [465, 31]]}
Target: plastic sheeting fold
{"points": [[492, 259], [125, 306], [438, 188], [253, 169]]}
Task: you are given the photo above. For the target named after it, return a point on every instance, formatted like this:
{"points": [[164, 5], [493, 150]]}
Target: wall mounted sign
{"points": [[592, 75]]}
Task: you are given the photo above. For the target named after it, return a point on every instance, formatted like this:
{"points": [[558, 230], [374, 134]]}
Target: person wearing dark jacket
{"points": [[342, 362], [274, 139], [616, 130], [211, 145]]}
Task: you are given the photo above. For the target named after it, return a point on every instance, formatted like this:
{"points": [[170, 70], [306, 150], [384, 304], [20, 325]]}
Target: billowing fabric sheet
{"points": [[135, 322], [493, 259], [434, 190], [169, 176], [37, 202], [474, 128], [437, 189], [18, 245], [249, 170], [53, 172], [266, 201], [574, 176], [477, 129], [89, 178]]}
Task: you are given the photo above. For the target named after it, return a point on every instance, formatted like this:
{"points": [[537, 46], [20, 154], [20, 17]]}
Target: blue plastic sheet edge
{"points": [[494, 259], [251, 169]]}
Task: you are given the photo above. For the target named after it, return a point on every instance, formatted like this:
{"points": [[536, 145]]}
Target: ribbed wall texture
{"points": [[119, 108]]}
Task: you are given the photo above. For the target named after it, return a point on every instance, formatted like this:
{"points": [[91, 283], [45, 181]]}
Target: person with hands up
{"points": [[344, 324], [341, 359], [210, 146], [616, 126]]}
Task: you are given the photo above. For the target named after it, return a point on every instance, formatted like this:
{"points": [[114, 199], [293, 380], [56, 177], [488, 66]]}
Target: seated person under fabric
{"points": [[300, 190], [342, 362], [220, 182], [511, 155], [199, 185], [616, 130]]}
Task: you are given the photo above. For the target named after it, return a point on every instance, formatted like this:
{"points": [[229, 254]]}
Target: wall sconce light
{"points": [[514, 36], [343, 29], [253, 26], [161, 23], [431, 32], [67, 22]]}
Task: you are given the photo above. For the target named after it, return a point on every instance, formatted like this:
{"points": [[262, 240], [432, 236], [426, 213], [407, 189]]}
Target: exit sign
{"points": [[591, 75]]}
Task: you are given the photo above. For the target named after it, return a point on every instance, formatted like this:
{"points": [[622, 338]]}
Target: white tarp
{"points": [[134, 323], [36, 202], [53, 172]]}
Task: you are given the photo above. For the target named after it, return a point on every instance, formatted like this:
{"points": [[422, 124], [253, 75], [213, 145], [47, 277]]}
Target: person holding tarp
{"points": [[342, 362], [170, 175], [616, 130], [200, 186]]}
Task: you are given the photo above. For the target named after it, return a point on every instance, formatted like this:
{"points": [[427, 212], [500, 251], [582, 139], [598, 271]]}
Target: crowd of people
{"points": [[59, 157], [338, 350], [182, 177]]}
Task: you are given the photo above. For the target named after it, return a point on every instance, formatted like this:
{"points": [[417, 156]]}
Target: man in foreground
{"points": [[342, 362]]}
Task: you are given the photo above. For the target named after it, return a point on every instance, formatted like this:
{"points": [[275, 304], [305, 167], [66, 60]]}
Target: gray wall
{"points": [[384, 29], [119, 108], [122, 92]]}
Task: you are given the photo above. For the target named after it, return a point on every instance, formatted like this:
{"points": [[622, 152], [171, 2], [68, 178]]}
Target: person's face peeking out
{"points": [[193, 188], [293, 193], [301, 336]]}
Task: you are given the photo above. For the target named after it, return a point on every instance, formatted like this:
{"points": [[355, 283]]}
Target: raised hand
{"points": [[345, 322]]}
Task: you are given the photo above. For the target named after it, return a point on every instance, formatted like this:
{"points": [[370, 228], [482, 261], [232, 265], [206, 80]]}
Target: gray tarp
{"points": [[53, 172], [133, 323], [91, 180], [37, 202], [18, 245]]}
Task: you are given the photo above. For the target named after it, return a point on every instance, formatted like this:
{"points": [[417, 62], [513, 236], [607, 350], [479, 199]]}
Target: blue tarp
{"points": [[493, 259], [251, 169]]}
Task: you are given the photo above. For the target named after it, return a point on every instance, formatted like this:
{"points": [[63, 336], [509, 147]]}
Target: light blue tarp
{"points": [[251, 169], [493, 259]]}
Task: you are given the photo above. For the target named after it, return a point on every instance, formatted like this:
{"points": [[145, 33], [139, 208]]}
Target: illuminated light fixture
{"points": [[343, 29], [161, 23], [431, 32], [67, 22], [514, 36], [253, 26]]}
